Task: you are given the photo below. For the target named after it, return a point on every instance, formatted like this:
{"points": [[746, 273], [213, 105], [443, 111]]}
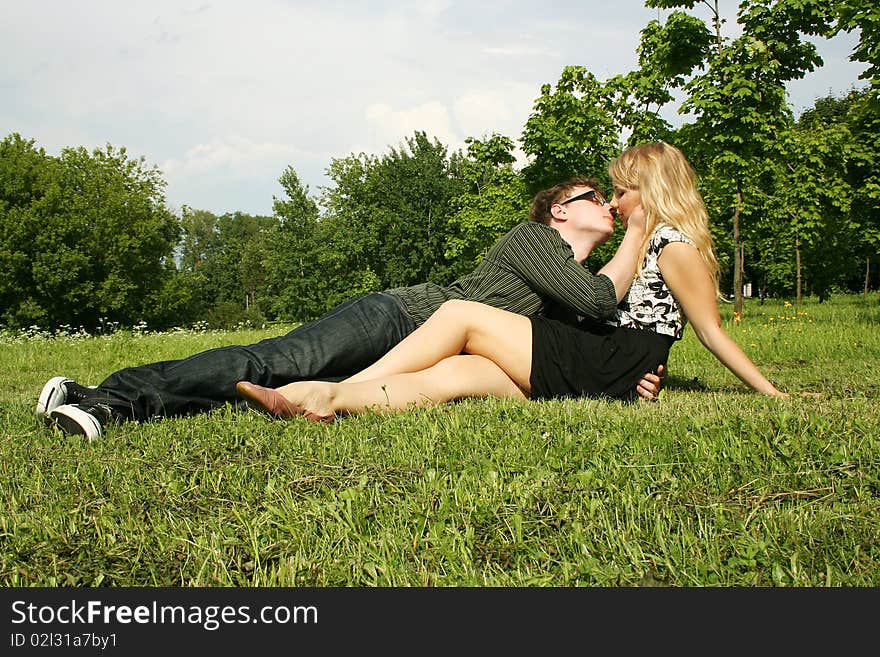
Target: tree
{"points": [[91, 235], [739, 100], [810, 230], [494, 201], [27, 176], [668, 53], [289, 255], [864, 17], [571, 131], [198, 250], [388, 217], [859, 112]]}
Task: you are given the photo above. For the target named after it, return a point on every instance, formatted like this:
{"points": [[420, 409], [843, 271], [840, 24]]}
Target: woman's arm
{"points": [[690, 283], [622, 267]]}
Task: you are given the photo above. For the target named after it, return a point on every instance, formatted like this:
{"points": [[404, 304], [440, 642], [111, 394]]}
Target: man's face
{"points": [[588, 211]]}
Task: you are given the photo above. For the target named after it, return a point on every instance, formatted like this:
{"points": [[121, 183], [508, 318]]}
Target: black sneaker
{"points": [[86, 419], [60, 390]]}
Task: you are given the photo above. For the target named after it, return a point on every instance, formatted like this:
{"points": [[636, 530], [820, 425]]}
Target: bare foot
{"points": [[275, 404], [314, 397]]}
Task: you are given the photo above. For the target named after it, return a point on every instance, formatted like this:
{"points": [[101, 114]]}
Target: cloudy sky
{"points": [[222, 95]]}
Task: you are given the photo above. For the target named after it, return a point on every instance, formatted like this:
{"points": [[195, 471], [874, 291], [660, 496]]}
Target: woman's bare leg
{"points": [[458, 327], [452, 378]]}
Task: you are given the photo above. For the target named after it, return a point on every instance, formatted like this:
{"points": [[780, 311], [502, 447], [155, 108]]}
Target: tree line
{"points": [[86, 238]]}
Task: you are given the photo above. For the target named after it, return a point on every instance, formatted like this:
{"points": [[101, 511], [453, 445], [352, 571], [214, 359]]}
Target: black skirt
{"points": [[591, 359]]}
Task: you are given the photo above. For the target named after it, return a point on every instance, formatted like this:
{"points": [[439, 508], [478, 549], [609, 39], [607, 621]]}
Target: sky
{"points": [[222, 95]]}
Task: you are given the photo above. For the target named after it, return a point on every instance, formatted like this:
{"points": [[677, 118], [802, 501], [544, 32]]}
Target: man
{"points": [[537, 265]]}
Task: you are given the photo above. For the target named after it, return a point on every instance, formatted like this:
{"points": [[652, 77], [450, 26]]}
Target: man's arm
{"points": [[650, 385], [545, 261]]}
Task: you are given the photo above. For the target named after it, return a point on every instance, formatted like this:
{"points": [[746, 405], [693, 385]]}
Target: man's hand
{"points": [[650, 385]]}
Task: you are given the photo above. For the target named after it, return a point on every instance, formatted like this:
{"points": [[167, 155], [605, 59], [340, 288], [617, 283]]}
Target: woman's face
{"points": [[625, 201]]}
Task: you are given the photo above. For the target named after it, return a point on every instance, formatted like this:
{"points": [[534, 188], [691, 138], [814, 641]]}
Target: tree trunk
{"points": [[867, 273], [797, 251], [737, 259]]}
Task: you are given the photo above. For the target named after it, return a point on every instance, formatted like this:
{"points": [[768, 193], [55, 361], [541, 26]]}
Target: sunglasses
{"points": [[593, 195]]}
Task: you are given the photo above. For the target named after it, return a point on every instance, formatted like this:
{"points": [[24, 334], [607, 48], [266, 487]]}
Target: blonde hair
{"points": [[668, 188]]}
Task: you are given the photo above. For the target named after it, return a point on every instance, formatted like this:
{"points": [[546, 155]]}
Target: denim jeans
{"points": [[345, 340]]}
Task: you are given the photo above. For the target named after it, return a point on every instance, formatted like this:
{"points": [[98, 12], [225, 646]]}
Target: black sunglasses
{"points": [[592, 195]]}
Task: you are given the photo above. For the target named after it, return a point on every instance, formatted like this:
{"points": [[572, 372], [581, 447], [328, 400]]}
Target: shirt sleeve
{"points": [[546, 262]]}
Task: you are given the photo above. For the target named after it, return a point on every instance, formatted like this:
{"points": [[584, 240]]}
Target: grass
{"points": [[712, 486]]}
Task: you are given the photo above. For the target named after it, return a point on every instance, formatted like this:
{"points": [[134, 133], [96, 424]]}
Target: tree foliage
{"points": [[493, 201], [220, 258], [86, 236], [570, 131], [292, 254], [864, 17], [390, 215]]}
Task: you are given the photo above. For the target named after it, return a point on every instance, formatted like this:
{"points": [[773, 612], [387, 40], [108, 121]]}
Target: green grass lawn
{"points": [[712, 486]]}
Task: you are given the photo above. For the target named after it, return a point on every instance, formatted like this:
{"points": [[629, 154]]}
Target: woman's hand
{"points": [[636, 219]]}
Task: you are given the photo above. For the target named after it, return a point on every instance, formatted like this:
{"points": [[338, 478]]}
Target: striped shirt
{"points": [[527, 270]]}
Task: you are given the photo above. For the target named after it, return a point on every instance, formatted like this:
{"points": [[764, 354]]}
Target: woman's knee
{"points": [[457, 306], [458, 311]]}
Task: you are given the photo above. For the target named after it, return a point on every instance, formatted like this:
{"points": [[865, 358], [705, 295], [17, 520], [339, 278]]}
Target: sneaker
{"points": [[86, 419], [57, 391]]}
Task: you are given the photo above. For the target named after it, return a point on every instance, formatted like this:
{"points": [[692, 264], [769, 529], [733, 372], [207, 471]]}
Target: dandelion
{"points": [[787, 304], [737, 317]]}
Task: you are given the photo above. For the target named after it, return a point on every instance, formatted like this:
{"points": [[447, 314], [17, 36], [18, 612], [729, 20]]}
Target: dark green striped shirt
{"points": [[528, 269]]}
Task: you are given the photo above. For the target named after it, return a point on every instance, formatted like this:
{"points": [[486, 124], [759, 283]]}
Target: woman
{"points": [[467, 349]]}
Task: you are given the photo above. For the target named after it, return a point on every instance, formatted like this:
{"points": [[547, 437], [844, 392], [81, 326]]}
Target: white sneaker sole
{"points": [[52, 396], [76, 421]]}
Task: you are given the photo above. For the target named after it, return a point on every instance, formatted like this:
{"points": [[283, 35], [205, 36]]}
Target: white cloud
{"points": [[389, 126], [241, 156], [480, 112], [515, 51]]}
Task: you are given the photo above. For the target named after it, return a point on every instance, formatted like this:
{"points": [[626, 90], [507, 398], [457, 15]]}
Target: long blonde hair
{"points": [[668, 188]]}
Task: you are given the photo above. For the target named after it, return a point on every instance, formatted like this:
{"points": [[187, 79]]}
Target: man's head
{"points": [[579, 211], [542, 204]]}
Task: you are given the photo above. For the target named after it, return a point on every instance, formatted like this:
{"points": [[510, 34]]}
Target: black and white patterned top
{"points": [[649, 305]]}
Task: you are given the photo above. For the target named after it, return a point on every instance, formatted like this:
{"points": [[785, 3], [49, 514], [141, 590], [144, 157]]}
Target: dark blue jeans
{"points": [[342, 342]]}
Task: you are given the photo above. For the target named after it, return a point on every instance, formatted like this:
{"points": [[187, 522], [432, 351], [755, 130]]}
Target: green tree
{"points": [[859, 112], [27, 177], [571, 131], [293, 277], [739, 100], [388, 216], [809, 231], [864, 17], [223, 256], [198, 250], [494, 201], [863, 119], [92, 236], [668, 53]]}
